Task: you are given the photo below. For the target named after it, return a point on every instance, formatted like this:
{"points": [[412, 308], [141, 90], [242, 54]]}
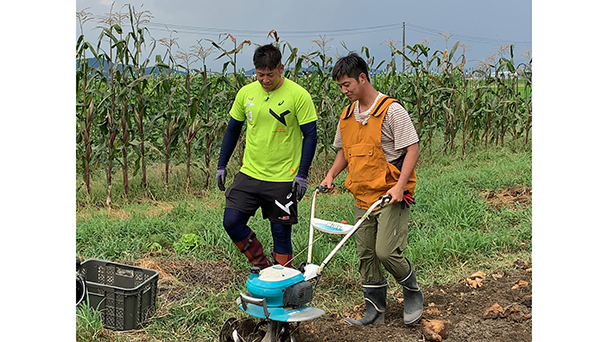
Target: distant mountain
{"points": [[93, 63], [251, 72]]}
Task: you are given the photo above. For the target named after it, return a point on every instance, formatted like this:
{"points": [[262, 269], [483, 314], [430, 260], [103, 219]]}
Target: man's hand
{"points": [[221, 178], [396, 194], [328, 182], [299, 187]]}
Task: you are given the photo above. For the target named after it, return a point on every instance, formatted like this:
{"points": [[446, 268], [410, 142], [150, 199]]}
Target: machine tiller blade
{"points": [[238, 330]]}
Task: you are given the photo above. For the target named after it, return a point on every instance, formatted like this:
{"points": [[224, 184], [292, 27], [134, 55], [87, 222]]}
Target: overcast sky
{"points": [[481, 25]]}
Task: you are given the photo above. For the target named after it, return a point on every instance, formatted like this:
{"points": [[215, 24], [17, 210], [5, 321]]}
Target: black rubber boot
{"points": [[413, 300], [375, 304]]}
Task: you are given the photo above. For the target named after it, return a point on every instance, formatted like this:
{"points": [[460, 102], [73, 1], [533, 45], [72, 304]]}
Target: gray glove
{"points": [[299, 187], [221, 178]]}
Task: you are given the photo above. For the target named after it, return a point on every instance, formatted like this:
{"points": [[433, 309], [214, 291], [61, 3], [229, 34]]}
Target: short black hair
{"points": [[352, 66], [267, 57]]}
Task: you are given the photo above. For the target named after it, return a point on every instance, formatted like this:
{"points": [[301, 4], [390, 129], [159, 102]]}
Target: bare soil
{"points": [[466, 313], [512, 197], [496, 307]]}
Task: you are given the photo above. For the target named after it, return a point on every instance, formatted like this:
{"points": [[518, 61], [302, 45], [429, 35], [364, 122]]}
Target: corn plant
{"points": [[390, 77], [138, 88], [230, 54], [125, 111], [449, 78], [191, 109], [418, 91], [211, 133], [526, 103], [86, 108], [166, 89], [201, 53], [109, 127], [322, 55], [124, 78], [292, 57], [210, 129]]}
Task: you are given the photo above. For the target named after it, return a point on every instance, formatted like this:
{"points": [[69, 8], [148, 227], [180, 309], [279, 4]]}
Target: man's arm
{"points": [[231, 137], [309, 146], [340, 164], [412, 153]]}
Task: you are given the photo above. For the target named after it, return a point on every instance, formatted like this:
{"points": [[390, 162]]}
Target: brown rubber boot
{"points": [[253, 250], [282, 259]]}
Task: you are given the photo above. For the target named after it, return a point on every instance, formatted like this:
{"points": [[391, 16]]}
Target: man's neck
{"points": [[282, 80], [366, 101]]}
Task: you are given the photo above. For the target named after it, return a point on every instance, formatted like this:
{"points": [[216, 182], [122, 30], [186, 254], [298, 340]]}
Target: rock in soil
{"points": [[434, 330]]}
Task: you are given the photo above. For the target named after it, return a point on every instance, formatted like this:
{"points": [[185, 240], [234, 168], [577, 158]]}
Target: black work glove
{"points": [[299, 187], [408, 199], [221, 178]]}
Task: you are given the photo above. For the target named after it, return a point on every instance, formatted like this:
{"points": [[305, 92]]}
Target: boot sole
{"points": [[416, 321], [355, 322]]}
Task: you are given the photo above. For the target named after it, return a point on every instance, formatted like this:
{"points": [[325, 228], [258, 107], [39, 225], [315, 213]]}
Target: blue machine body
{"points": [[271, 290], [266, 297]]}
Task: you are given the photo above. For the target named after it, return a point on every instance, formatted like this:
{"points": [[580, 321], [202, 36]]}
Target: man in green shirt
{"points": [[280, 144]]}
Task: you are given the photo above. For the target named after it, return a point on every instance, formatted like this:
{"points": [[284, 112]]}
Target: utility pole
{"points": [[403, 50]]}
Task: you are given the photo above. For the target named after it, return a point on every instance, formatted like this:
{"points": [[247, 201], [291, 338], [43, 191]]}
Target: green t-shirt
{"points": [[273, 146]]}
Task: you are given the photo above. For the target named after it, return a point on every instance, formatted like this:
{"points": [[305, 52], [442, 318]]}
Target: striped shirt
{"points": [[398, 131]]}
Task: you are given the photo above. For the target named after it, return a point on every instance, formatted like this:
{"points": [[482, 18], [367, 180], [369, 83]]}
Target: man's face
{"points": [[350, 87], [270, 79]]}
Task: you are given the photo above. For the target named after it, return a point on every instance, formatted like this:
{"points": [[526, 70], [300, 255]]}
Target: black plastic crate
{"points": [[124, 294]]}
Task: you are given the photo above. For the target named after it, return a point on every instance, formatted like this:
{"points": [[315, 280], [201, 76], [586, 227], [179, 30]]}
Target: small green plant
{"points": [[187, 243], [155, 247], [88, 323], [159, 241]]}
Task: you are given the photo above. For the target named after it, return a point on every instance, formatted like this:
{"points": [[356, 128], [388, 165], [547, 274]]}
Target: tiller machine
{"points": [[279, 295]]}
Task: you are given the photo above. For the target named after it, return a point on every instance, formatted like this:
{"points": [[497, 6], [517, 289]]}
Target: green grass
{"points": [[88, 323], [453, 232]]}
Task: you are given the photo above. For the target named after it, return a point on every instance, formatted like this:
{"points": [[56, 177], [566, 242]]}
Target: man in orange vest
{"points": [[379, 145]]}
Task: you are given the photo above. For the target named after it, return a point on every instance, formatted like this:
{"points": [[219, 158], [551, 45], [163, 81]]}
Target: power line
{"points": [[302, 34], [188, 29], [481, 40]]}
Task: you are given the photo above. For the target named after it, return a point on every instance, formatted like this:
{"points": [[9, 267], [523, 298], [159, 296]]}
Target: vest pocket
{"points": [[363, 163]]}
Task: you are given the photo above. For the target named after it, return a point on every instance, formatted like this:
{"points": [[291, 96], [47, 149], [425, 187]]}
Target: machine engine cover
{"points": [[278, 293], [298, 294], [272, 282]]}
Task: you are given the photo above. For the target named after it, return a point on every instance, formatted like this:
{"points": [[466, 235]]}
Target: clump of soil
{"points": [[511, 198]]}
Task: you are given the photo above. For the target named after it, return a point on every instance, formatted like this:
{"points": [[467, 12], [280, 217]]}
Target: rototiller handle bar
{"points": [[245, 300], [382, 201]]}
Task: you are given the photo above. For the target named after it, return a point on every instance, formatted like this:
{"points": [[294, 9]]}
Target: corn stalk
{"points": [[230, 54], [84, 76], [109, 125]]}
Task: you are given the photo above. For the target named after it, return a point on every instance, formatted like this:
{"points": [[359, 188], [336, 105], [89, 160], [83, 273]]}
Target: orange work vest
{"points": [[370, 175]]}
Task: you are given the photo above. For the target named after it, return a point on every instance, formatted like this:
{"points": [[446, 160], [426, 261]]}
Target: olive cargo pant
{"points": [[381, 240]]}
